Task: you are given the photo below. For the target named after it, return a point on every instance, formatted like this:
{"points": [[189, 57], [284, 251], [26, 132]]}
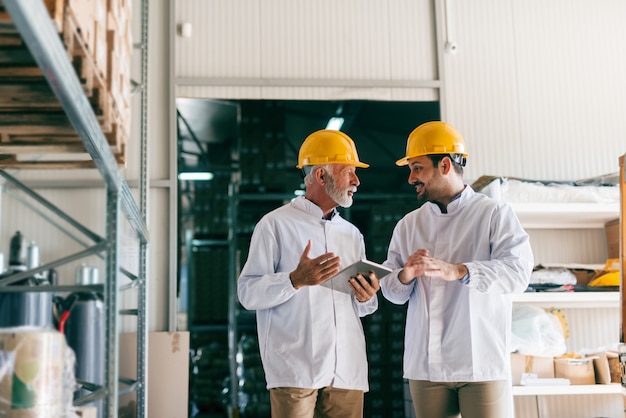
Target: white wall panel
{"points": [[225, 39], [537, 87], [548, 248], [300, 39], [598, 325], [571, 406], [219, 92], [481, 86], [325, 39], [572, 88], [20, 213], [413, 53]]}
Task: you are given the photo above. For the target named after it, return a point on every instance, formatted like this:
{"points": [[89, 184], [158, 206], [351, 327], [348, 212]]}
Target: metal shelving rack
{"points": [[35, 27]]}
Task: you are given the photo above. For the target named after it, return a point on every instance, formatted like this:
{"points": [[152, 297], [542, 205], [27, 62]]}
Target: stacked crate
{"points": [[262, 150], [97, 37], [118, 49], [384, 333], [381, 221]]}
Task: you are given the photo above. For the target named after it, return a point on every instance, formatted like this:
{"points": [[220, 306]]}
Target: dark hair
{"points": [[458, 161]]}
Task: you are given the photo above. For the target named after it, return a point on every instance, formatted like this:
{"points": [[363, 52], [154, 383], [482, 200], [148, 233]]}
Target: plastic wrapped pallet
{"points": [[35, 374]]}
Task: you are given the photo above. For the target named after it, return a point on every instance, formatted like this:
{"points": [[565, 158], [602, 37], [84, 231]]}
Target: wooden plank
{"points": [[35, 123], [56, 10], [13, 162], [19, 72], [35, 133], [39, 148], [25, 96], [7, 39]]}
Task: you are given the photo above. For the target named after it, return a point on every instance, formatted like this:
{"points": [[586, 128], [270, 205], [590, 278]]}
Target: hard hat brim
{"points": [[402, 162], [357, 164]]}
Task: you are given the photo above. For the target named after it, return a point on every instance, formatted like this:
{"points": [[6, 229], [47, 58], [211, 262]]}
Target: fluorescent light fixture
{"points": [[299, 192], [199, 176], [335, 123]]}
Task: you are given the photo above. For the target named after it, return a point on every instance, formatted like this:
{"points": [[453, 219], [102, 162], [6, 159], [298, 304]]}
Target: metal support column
{"points": [[111, 295], [142, 293]]}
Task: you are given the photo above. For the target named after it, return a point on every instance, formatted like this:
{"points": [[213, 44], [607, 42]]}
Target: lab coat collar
{"points": [[311, 208], [456, 203]]}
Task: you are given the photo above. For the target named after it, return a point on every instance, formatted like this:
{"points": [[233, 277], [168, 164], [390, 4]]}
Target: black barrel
{"points": [[84, 332]]}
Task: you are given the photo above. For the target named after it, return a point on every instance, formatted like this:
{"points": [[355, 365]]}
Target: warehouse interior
{"points": [[231, 88]]}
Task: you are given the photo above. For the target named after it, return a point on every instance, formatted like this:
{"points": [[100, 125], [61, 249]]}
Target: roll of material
{"points": [[22, 309], [84, 333], [31, 373]]}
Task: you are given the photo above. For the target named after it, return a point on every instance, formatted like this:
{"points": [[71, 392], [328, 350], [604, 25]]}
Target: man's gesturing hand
{"points": [[313, 271]]}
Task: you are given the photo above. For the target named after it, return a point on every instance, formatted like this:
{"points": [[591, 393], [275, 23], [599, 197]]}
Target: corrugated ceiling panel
{"points": [[572, 88], [480, 79], [225, 39]]}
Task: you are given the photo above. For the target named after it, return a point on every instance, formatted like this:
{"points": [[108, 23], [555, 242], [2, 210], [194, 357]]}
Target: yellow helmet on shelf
{"points": [[434, 138], [328, 147]]}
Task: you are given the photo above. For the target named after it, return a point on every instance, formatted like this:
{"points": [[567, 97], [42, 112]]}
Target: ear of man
{"points": [[320, 174], [446, 165]]}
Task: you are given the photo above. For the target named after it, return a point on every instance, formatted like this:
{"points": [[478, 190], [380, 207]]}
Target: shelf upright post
{"points": [[111, 295], [142, 302]]}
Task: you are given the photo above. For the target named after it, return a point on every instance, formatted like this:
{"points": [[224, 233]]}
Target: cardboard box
{"points": [[611, 229], [607, 367], [87, 411], [168, 374], [601, 367], [579, 371], [543, 367], [614, 367]]}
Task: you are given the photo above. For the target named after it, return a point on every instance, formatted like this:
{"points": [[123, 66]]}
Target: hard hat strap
{"points": [[460, 159], [306, 170]]}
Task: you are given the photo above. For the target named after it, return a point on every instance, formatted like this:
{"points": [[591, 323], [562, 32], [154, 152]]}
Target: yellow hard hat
{"points": [[328, 147], [433, 138], [607, 279]]}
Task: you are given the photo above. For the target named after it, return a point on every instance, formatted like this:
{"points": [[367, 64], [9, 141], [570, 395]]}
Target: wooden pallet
{"points": [[34, 130]]}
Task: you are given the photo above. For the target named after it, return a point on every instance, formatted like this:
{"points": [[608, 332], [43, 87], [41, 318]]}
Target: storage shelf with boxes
{"points": [[34, 130]]}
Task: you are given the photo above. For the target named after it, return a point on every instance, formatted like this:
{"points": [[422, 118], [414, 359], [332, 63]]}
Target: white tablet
{"points": [[341, 279]]}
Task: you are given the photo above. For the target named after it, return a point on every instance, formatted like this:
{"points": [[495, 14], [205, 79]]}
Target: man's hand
{"points": [[314, 271], [421, 264], [364, 286]]}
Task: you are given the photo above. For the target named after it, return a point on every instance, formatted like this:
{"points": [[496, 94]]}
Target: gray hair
{"points": [[308, 177]]}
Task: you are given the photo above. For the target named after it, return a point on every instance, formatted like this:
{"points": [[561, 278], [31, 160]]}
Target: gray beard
{"points": [[339, 196]]}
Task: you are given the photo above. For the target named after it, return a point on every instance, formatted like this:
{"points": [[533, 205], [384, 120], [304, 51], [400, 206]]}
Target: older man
{"points": [[310, 336]]}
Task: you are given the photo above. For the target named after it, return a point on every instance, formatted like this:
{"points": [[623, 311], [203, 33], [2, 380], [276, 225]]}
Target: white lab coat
{"points": [[459, 332], [311, 337]]}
